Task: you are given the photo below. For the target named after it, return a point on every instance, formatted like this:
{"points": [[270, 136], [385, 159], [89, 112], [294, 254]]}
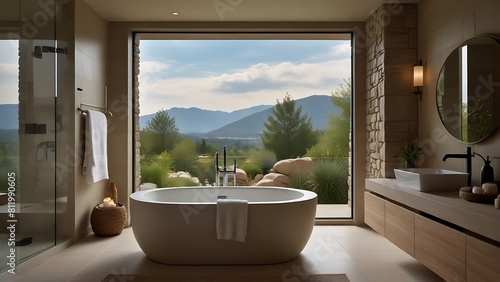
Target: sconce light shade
{"points": [[418, 76]]}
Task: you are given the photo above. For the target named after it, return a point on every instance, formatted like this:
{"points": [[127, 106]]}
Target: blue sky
{"points": [[232, 74], [9, 72], [222, 75]]}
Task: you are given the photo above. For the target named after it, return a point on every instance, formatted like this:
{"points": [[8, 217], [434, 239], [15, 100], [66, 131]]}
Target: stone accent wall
{"points": [[391, 105], [137, 111]]}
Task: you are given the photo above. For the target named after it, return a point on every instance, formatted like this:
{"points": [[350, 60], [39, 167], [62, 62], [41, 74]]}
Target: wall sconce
{"points": [[418, 77]]}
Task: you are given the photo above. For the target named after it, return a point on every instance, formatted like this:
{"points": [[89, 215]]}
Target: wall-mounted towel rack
{"points": [[105, 109]]}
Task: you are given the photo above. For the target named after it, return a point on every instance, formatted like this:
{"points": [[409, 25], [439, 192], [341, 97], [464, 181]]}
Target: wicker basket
{"points": [[108, 221]]}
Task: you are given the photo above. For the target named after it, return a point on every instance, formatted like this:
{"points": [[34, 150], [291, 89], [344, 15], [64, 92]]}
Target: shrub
{"points": [[152, 173], [329, 180], [164, 160], [251, 168], [205, 170], [265, 158], [299, 180], [184, 155], [156, 169], [177, 182]]}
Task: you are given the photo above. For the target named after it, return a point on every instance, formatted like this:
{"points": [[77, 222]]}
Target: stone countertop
{"points": [[482, 219]]}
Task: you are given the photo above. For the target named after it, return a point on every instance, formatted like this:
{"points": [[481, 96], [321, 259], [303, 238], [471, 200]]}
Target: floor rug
{"points": [[308, 278]]}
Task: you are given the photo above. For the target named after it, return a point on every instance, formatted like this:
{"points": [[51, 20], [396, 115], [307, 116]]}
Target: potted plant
{"points": [[409, 153]]}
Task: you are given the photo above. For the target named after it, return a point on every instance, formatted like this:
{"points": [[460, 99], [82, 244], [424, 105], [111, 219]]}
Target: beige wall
{"points": [[91, 57], [443, 25], [120, 99]]}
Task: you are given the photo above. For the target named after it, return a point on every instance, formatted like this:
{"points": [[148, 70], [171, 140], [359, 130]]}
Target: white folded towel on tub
{"points": [[232, 218]]}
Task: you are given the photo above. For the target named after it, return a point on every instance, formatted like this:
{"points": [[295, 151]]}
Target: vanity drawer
{"points": [[375, 212], [400, 227], [440, 248], [483, 260]]}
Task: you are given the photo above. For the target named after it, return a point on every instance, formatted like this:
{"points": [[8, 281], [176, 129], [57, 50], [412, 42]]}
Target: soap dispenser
{"points": [[487, 174]]}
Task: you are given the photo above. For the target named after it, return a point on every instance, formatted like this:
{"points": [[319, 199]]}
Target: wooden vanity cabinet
{"points": [[375, 213], [392, 221], [400, 227], [483, 261], [440, 248], [451, 253]]}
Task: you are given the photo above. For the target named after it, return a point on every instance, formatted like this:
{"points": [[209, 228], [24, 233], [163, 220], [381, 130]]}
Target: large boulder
{"points": [[266, 182], [257, 178], [280, 180], [146, 186], [241, 177], [290, 166]]}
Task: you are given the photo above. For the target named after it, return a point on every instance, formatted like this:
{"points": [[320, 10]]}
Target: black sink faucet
{"points": [[468, 157]]}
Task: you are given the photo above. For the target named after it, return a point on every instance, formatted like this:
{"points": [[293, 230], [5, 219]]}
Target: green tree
{"points": [[161, 134], [203, 147], [235, 151], [334, 142], [287, 132]]}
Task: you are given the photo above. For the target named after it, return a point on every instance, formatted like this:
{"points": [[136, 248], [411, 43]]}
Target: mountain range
{"points": [[244, 123]]}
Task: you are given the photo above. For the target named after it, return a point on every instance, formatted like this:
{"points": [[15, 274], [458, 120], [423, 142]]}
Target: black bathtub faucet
{"points": [[468, 158], [224, 170]]}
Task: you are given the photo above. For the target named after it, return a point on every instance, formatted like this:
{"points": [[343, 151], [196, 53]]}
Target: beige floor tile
{"points": [[87, 278], [352, 231], [62, 266], [393, 266], [367, 244], [359, 252]]}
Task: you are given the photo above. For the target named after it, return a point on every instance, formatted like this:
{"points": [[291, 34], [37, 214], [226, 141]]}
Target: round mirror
{"points": [[468, 90]]}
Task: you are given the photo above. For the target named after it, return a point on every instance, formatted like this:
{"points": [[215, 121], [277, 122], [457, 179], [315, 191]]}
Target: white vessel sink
{"points": [[431, 179]]}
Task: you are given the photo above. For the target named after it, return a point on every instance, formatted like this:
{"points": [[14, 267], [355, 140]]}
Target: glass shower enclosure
{"points": [[28, 95]]}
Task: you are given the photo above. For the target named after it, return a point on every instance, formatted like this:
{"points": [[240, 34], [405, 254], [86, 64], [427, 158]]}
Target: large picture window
{"points": [[264, 97]]}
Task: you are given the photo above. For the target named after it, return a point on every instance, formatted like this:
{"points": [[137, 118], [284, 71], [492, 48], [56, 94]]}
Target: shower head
{"points": [[37, 52]]}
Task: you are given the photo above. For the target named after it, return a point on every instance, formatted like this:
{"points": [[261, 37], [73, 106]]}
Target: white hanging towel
{"points": [[95, 159], [232, 219]]}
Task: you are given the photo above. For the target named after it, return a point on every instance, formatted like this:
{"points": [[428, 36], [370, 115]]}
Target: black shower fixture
{"points": [[38, 50]]}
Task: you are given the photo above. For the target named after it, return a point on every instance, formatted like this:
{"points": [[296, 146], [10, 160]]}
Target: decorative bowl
{"points": [[478, 198]]}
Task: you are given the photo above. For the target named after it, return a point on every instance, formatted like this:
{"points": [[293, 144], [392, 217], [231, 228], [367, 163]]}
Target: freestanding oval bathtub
{"points": [[178, 225]]}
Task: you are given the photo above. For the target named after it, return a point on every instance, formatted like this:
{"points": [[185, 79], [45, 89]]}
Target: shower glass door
{"points": [[27, 130]]}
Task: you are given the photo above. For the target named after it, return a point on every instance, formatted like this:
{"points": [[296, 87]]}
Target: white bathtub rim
{"points": [[140, 195]]}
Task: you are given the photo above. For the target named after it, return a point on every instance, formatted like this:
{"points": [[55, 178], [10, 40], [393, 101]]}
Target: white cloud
{"points": [[286, 74], [8, 83], [148, 67], [342, 50], [258, 84], [9, 69]]}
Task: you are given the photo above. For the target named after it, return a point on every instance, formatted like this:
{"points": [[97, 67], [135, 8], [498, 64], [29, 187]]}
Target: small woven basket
{"points": [[108, 221]]}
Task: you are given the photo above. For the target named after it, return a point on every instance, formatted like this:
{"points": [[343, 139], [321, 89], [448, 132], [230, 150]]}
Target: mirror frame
{"points": [[452, 114]]}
